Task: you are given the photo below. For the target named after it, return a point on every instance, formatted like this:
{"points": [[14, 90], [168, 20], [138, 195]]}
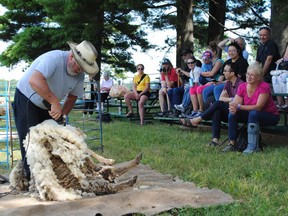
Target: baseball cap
{"points": [[207, 55], [166, 61], [187, 51]]}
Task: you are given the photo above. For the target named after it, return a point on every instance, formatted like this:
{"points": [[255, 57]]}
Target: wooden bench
{"points": [[151, 106], [280, 129]]}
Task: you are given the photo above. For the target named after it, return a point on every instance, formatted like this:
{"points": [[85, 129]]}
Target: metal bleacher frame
{"points": [[8, 133], [90, 125], [4, 129]]}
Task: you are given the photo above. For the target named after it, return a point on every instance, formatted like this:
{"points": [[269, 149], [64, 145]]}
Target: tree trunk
{"points": [[216, 20], [279, 23], [185, 29]]}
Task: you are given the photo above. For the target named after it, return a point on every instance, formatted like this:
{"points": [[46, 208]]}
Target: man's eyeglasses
{"points": [[140, 68], [190, 62]]}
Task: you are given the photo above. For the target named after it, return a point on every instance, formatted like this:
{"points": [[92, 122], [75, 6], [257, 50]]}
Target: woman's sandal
{"points": [[129, 115], [193, 125], [187, 122]]}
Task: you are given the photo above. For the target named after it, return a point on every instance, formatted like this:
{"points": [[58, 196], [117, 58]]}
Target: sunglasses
{"points": [[140, 68], [190, 62]]}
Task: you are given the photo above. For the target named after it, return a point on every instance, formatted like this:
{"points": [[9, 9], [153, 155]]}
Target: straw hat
{"points": [[85, 55]]}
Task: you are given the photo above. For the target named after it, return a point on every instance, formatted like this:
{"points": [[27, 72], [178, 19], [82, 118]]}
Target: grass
{"points": [[257, 182]]}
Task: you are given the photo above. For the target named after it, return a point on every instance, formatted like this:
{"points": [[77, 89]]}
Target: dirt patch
{"points": [[153, 193]]}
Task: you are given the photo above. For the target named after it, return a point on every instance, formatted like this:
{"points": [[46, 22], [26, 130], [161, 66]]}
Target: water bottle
{"points": [[119, 110], [191, 82]]}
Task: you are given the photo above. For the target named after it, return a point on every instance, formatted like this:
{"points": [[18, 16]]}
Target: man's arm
{"points": [[69, 103], [39, 85], [225, 97], [223, 43], [267, 64]]}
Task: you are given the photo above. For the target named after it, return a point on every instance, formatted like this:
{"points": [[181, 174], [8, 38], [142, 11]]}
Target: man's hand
{"points": [[56, 111]]}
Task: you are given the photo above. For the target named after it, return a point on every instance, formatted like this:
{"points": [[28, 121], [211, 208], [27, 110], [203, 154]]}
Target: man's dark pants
{"points": [[26, 115]]}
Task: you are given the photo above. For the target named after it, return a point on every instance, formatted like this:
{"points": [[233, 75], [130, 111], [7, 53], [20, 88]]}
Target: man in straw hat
{"points": [[50, 78]]}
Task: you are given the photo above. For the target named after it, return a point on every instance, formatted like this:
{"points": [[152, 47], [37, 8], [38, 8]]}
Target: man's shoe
{"points": [[174, 114], [213, 144], [228, 148], [160, 114]]}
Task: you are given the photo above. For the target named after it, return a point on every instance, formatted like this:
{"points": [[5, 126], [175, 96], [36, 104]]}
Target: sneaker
{"points": [[228, 148], [192, 115], [248, 151], [160, 114], [213, 144], [179, 107], [285, 108], [198, 114], [173, 114], [279, 107]]}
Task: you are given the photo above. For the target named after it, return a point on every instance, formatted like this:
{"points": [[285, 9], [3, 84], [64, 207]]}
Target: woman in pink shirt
{"points": [[253, 104]]}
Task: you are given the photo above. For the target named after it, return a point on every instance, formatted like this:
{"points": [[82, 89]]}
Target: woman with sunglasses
{"points": [[140, 92], [194, 75]]}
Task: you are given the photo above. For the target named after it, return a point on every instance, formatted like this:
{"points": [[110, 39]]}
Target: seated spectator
{"points": [[217, 85], [169, 80], [181, 93], [89, 95], [207, 77], [239, 40], [140, 93], [188, 53], [254, 105], [235, 53], [105, 87], [193, 75], [218, 112], [279, 80]]}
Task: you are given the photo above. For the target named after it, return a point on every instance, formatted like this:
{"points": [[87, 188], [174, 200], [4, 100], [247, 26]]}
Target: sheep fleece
{"points": [[60, 167]]}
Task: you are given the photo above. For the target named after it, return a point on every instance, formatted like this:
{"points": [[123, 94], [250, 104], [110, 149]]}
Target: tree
{"points": [[36, 26], [184, 27], [115, 27], [216, 20], [279, 24]]}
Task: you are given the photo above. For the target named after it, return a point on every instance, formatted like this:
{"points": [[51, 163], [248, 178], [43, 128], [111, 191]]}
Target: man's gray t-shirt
{"points": [[53, 66]]}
